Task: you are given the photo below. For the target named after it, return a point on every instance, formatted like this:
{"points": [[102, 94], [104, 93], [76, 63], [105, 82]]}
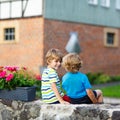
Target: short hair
{"points": [[54, 54], [72, 62]]}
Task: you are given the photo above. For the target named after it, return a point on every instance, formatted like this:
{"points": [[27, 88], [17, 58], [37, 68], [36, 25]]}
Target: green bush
{"points": [[103, 78], [93, 77], [98, 78], [115, 78]]}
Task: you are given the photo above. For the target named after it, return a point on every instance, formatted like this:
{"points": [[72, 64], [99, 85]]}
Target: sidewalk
{"points": [[106, 84], [111, 100]]}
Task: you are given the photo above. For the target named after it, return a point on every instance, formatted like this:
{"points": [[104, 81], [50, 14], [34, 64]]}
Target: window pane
{"points": [[110, 38], [6, 31], [6, 37], [9, 34]]}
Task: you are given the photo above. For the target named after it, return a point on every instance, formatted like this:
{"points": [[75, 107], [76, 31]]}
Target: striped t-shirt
{"points": [[49, 76]]}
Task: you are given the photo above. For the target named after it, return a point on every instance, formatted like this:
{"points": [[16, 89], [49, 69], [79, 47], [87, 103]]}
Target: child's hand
{"points": [[64, 102]]}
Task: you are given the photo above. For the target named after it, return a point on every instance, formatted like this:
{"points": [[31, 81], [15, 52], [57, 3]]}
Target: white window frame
{"points": [[93, 2], [117, 5], [105, 3]]}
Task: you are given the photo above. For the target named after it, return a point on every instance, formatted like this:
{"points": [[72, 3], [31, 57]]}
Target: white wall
{"points": [[34, 8]]}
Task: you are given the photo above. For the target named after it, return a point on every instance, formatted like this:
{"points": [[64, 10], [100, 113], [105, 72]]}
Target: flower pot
{"points": [[20, 93]]}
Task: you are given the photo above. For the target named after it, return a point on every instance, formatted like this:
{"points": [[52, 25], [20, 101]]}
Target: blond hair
{"points": [[54, 54], [72, 62]]}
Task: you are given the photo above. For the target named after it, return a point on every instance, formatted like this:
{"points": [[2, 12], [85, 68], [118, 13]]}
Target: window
{"points": [[118, 4], [105, 3], [93, 2], [9, 34], [110, 37]]}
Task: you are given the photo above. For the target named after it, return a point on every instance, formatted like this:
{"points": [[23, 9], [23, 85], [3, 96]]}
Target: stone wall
{"points": [[36, 110]]}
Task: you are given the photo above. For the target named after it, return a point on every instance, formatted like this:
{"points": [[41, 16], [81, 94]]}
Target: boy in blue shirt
{"points": [[76, 83]]}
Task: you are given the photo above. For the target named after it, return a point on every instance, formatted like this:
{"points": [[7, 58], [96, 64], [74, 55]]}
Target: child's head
{"points": [[72, 62], [53, 54]]}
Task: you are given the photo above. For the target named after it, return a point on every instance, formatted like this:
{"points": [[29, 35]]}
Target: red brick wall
{"points": [[29, 50], [37, 36], [96, 57]]}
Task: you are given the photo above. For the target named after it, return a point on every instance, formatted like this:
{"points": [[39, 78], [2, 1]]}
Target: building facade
{"points": [[97, 23], [21, 33], [25, 38]]}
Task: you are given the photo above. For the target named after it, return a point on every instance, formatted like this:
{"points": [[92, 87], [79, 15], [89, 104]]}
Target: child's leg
{"points": [[99, 96]]}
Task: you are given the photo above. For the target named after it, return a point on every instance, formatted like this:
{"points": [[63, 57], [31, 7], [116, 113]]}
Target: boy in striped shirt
{"points": [[51, 92]]}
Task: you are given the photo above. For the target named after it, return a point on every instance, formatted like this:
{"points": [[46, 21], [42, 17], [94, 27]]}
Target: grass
{"points": [[111, 91]]}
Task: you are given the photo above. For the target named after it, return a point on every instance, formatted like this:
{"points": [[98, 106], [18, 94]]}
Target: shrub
{"points": [[103, 78], [115, 78], [93, 77], [12, 77], [97, 78]]}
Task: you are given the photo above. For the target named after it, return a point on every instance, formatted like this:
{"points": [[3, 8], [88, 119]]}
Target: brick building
{"points": [[21, 33], [97, 23]]}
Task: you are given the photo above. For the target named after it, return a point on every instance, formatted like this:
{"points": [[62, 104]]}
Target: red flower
{"points": [[12, 69], [24, 68], [9, 77], [38, 77], [3, 74], [13, 76]]}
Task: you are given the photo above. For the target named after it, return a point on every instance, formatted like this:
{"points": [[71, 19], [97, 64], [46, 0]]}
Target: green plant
{"points": [[98, 78], [12, 77], [93, 77], [115, 78], [103, 78]]}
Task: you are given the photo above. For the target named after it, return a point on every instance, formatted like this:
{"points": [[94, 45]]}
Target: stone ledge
{"points": [[36, 110]]}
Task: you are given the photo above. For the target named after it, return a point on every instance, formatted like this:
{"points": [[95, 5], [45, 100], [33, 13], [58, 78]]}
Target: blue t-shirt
{"points": [[75, 84]]}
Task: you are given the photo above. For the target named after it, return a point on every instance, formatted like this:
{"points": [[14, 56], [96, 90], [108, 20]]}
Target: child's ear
{"points": [[48, 62]]}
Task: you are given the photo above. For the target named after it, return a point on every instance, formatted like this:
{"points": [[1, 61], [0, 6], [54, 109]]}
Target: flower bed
{"points": [[13, 80], [12, 77]]}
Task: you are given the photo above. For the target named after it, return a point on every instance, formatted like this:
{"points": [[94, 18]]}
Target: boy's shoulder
{"points": [[74, 74], [49, 70], [82, 74]]}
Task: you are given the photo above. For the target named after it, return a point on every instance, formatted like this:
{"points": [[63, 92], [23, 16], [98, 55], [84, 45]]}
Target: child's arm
{"points": [[54, 88], [91, 95]]}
